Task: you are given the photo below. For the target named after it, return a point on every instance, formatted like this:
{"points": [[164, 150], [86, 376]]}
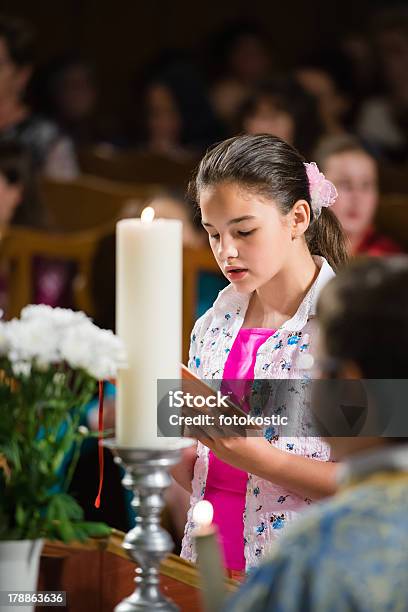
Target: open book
{"points": [[229, 408]]}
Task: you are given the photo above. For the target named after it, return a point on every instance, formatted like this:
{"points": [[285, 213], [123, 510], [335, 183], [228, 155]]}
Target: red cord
{"points": [[100, 446]]}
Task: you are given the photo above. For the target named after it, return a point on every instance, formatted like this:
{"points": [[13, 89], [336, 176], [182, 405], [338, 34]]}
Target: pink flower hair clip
{"points": [[322, 191]]}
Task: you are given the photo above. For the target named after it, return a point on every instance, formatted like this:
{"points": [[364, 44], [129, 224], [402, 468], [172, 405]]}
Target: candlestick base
{"points": [[147, 543]]}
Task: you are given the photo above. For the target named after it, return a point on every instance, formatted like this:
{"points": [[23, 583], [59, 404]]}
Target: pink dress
{"points": [[226, 485]]}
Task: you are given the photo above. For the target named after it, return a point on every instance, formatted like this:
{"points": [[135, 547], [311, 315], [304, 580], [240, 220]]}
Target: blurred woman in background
{"points": [[66, 91], [51, 153]]}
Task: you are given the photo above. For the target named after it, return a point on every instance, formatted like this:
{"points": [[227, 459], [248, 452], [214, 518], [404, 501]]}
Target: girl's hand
{"points": [[247, 454], [306, 477], [183, 472]]}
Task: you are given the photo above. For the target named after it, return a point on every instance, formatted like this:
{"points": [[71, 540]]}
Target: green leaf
{"points": [[20, 515]]}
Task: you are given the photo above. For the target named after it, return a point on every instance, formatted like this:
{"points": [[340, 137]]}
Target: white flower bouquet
{"points": [[50, 362]]}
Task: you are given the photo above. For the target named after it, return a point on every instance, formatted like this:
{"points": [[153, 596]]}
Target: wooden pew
{"points": [[97, 575], [136, 167], [90, 202], [392, 218], [18, 248], [393, 178]]}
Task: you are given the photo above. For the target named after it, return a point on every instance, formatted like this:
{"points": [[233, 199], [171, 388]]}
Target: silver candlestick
{"points": [[147, 476]]}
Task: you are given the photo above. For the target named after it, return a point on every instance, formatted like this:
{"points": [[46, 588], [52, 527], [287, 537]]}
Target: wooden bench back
{"points": [[18, 248], [90, 202], [393, 178], [392, 218], [136, 167]]}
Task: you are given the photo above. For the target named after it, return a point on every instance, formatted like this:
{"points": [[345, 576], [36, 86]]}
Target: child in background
{"points": [[350, 553], [275, 240], [355, 174]]}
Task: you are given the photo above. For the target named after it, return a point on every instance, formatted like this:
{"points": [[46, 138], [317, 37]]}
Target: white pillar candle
{"points": [[148, 320], [210, 566]]}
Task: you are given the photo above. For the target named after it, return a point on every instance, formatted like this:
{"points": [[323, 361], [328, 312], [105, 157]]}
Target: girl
{"points": [[276, 242]]}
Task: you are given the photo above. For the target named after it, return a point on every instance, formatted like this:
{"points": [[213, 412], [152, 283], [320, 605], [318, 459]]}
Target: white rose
{"points": [[32, 339], [21, 368]]}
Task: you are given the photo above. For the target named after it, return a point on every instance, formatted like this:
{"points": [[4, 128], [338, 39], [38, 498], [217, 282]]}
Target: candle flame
{"points": [[147, 215], [203, 513]]}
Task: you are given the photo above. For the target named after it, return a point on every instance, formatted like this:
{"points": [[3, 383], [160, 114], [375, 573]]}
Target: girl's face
{"points": [[10, 198], [248, 235], [355, 176], [268, 118]]}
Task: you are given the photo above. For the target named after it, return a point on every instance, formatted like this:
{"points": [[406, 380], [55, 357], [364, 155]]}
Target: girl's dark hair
{"points": [[364, 309], [272, 168]]}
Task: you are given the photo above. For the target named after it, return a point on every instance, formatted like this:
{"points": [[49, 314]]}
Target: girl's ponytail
{"points": [[325, 237]]}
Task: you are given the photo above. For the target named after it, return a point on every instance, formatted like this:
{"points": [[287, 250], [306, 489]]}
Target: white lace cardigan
{"points": [[268, 507]]}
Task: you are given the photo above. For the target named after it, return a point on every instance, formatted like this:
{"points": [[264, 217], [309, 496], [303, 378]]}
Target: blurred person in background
{"points": [[283, 108], [52, 154], [66, 91], [19, 199], [20, 205], [242, 55], [357, 51], [176, 119], [349, 553], [333, 101], [173, 204], [354, 172], [383, 119]]}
